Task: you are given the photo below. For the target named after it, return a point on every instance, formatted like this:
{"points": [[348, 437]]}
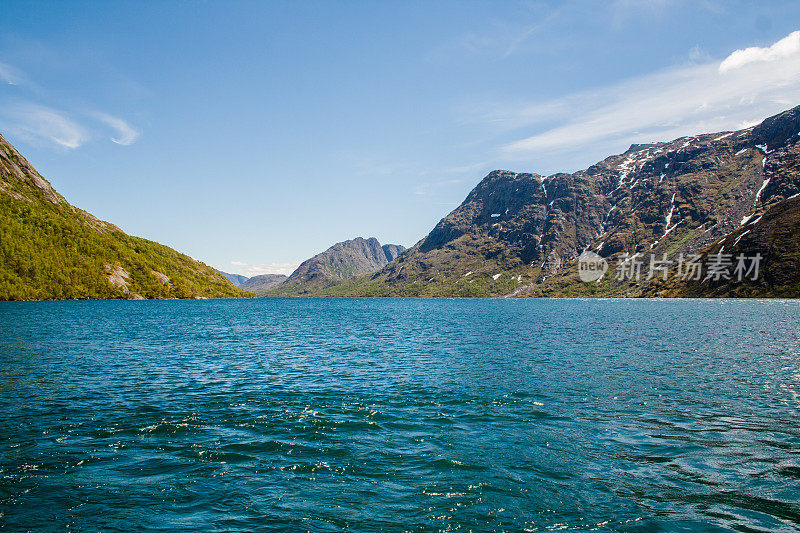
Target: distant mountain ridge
{"points": [[519, 234], [236, 279], [50, 249], [342, 261], [263, 282]]}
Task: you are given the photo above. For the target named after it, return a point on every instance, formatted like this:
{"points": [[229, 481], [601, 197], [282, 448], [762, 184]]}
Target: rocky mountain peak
{"points": [[668, 198]]}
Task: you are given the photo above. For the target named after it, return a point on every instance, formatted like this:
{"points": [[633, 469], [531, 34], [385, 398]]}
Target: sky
{"points": [[253, 135]]}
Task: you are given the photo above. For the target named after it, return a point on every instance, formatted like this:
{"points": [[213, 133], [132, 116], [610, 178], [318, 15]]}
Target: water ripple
{"points": [[400, 415]]}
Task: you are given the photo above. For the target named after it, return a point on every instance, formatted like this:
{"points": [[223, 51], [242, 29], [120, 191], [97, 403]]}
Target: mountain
{"points": [[342, 261], [50, 249], [774, 236], [520, 234], [236, 279], [263, 282]]}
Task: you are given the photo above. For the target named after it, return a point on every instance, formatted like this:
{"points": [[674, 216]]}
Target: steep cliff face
{"points": [[392, 251], [50, 249], [520, 233], [342, 261]]}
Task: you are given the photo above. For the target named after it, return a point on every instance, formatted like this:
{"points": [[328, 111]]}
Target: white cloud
{"points": [[126, 134], [38, 123], [10, 75], [785, 48], [249, 270], [671, 103]]}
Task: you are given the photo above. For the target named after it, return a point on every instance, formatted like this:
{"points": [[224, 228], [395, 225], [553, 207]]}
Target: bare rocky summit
{"points": [[263, 282], [520, 233], [342, 261]]}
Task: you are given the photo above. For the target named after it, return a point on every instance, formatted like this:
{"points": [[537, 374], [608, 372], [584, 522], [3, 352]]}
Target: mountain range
{"points": [[520, 234], [516, 234]]}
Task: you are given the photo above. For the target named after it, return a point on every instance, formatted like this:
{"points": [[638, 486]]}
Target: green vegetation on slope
{"points": [[51, 250]]}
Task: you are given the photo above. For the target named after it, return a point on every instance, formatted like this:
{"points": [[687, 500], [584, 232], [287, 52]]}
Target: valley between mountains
{"points": [[516, 234]]}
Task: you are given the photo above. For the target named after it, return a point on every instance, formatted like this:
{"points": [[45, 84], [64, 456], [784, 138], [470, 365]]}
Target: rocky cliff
{"points": [[520, 234]]}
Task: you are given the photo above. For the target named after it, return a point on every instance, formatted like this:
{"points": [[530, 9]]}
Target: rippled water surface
{"points": [[400, 414]]}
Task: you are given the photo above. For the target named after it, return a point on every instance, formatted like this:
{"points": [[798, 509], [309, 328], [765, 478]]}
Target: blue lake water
{"points": [[400, 415]]}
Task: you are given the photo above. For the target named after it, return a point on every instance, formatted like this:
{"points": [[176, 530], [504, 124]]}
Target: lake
{"points": [[400, 415]]}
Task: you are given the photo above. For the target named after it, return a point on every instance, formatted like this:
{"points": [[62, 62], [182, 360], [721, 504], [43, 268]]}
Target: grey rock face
{"points": [[344, 260], [263, 282]]}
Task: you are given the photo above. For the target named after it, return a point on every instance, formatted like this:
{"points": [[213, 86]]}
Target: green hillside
{"points": [[52, 250]]}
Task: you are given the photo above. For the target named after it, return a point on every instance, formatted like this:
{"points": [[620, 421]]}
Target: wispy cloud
{"points": [[10, 75], [126, 134], [22, 115], [246, 269], [671, 103], [502, 38], [39, 123]]}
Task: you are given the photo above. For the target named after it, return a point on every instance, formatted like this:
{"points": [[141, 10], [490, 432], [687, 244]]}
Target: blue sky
{"points": [[252, 135]]}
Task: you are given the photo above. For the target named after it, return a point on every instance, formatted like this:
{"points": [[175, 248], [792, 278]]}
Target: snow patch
{"points": [[740, 237], [763, 148], [667, 227], [495, 215], [496, 276], [740, 152], [625, 168], [671, 209], [763, 186], [723, 136]]}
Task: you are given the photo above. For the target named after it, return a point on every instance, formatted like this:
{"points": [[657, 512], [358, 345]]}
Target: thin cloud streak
{"points": [[39, 123], [10, 75], [672, 103], [246, 269], [126, 134]]}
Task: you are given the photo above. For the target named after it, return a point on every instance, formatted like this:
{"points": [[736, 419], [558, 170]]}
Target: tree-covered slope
{"points": [[50, 249]]}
